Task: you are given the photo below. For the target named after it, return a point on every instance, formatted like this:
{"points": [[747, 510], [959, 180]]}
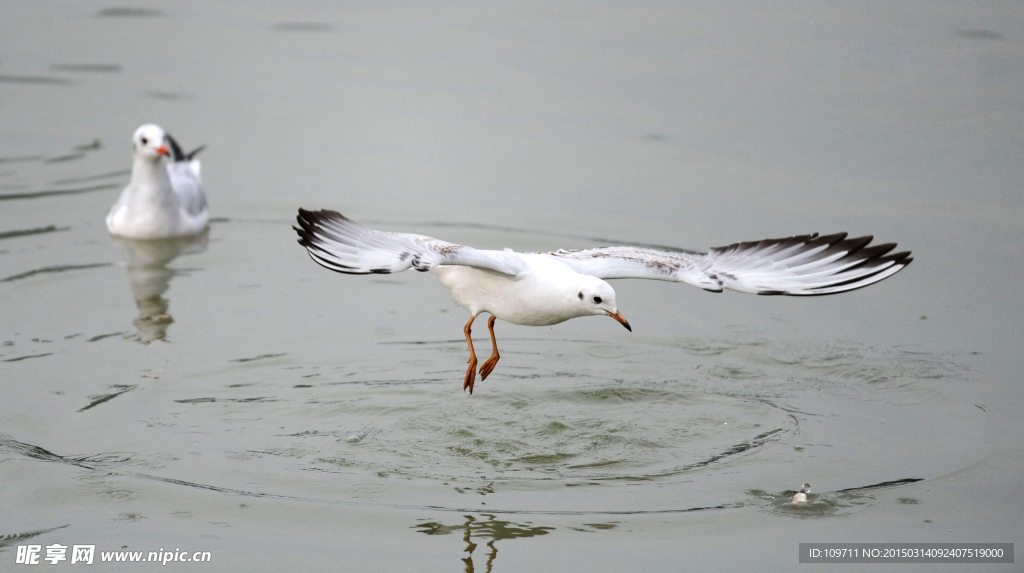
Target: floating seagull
{"points": [[541, 289], [801, 496], [160, 201]]}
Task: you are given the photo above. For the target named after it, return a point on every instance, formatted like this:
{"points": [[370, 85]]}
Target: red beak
{"points": [[162, 150], [620, 319]]}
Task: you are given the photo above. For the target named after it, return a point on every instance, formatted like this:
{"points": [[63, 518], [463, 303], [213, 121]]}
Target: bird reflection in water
{"points": [[492, 529], [150, 278]]}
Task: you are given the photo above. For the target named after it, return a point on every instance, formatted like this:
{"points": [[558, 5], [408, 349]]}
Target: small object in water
{"points": [[543, 289], [352, 439], [163, 199], [801, 496]]}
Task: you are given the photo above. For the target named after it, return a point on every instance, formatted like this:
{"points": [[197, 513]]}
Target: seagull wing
{"points": [[186, 180], [176, 153], [179, 157], [804, 265], [187, 185], [340, 244]]}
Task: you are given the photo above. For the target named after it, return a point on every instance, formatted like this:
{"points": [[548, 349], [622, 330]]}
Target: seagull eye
{"points": [[145, 141], [581, 295], [597, 299]]}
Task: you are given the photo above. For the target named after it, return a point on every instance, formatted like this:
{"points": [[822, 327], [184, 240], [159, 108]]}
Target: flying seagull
{"points": [[541, 289], [163, 199]]}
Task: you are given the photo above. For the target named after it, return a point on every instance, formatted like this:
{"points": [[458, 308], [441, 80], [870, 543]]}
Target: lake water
{"points": [[225, 394]]}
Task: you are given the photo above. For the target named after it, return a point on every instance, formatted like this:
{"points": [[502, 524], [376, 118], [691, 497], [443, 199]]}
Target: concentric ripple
{"points": [[602, 432], [629, 412]]}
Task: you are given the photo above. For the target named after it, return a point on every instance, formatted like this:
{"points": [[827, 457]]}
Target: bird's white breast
{"points": [[538, 297], [152, 208]]}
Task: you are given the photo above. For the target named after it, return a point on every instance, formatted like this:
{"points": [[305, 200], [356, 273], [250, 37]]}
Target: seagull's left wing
{"points": [[805, 265], [340, 244]]}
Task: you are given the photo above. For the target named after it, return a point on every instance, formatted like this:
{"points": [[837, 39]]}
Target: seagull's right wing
{"points": [[184, 171], [187, 186], [179, 157], [176, 152], [804, 265], [340, 244]]}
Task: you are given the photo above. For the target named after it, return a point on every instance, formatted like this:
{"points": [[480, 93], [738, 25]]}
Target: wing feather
{"points": [[802, 265], [340, 244], [184, 171], [186, 183]]}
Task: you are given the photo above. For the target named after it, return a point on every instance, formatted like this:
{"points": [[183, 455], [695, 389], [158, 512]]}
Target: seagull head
{"points": [[596, 297], [150, 142]]}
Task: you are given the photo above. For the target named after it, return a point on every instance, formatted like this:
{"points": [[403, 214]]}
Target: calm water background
{"points": [[227, 395]]}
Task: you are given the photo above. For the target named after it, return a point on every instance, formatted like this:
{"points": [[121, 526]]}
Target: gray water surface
{"points": [[225, 394]]}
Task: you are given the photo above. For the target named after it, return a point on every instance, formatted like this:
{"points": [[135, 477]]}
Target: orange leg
{"points": [[488, 366], [471, 372]]}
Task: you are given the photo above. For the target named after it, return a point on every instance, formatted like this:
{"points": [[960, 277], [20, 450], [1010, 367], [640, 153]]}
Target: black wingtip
{"points": [[899, 260], [311, 236], [308, 219], [902, 257], [306, 228], [314, 217], [191, 154], [176, 153], [851, 255]]}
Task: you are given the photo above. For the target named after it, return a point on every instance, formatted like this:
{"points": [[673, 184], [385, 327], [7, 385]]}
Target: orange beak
{"points": [[162, 150], [620, 319]]}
